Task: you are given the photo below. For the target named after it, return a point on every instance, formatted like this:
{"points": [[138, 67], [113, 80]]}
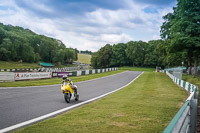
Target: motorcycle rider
{"points": [[67, 80]]}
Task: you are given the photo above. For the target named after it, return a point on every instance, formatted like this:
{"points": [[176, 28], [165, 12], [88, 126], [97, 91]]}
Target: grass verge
{"points": [[56, 80], [17, 65], [192, 79], [145, 106]]}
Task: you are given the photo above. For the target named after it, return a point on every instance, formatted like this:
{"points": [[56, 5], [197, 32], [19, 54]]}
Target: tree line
{"points": [[86, 52], [17, 43], [180, 43], [137, 53]]}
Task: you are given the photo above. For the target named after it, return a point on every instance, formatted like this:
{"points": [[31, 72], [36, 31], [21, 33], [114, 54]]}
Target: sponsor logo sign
{"points": [[60, 74], [32, 75]]}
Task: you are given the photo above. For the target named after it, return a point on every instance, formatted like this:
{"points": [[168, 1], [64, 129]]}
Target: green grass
{"points": [[66, 65], [84, 58], [192, 79], [145, 106], [55, 80], [145, 69], [17, 65]]}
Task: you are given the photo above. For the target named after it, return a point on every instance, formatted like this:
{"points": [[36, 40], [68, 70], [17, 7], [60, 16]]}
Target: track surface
{"points": [[22, 104]]}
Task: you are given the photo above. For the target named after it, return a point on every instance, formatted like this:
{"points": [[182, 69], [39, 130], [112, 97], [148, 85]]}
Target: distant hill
{"points": [[84, 58], [17, 43]]}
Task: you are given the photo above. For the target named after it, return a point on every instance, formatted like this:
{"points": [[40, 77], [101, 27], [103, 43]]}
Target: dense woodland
{"points": [[137, 53], [17, 43], [180, 42]]}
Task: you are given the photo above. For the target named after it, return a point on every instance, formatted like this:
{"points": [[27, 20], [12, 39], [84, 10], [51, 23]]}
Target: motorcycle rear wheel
{"points": [[77, 97]]}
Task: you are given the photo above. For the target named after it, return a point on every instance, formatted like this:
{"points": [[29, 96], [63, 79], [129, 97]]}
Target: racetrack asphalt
{"points": [[21, 104]]}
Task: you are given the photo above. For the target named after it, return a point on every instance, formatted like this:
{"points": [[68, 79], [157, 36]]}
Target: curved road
{"points": [[21, 104]]}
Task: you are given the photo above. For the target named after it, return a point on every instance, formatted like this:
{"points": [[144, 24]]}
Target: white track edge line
{"points": [[62, 110]]}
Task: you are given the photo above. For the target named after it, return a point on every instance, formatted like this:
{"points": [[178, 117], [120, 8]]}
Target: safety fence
{"points": [[19, 70], [82, 72], [186, 118], [175, 68], [64, 69], [86, 72], [15, 76]]}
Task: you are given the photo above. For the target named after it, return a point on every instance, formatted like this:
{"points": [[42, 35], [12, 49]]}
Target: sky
{"points": [[88, 24]]}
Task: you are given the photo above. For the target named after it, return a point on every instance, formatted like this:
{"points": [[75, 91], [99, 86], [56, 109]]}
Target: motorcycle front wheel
{"points": [[67, 97]]}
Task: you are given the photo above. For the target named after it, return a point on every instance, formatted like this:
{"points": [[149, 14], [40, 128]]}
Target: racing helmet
{"points": [[65, 77]]}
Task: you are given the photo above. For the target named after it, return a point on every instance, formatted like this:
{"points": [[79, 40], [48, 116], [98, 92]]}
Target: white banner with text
{"points": [[32, 75]]}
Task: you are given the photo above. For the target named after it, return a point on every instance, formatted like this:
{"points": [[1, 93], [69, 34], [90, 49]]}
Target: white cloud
{"points": [[156, 37], [114, 38], [37, 6], [92, 30], [6, 2]]}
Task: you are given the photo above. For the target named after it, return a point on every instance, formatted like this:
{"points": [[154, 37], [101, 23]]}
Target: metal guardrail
{"points": [[12, 76], [186, 118], [59, 69]]}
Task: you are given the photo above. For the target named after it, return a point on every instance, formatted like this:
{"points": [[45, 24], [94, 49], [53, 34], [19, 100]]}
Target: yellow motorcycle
{"points": [[69, 92]]}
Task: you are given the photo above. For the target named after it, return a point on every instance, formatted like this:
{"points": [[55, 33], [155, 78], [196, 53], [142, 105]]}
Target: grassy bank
{"points": [[84, 58], [145, 106], [56, 80], [192, 79], [17, 65]]}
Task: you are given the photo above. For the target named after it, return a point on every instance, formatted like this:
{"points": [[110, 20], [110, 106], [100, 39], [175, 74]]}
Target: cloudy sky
{"points": [[88, 24]]}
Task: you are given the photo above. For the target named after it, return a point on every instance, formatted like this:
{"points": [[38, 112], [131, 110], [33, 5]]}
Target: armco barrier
{"points": [[186, 118], [50, 69], [7, 76], [60, 69], [86, 72], [11, 76], [60, 74]]}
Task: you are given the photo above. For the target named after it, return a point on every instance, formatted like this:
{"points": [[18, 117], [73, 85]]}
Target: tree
{"points": [[76, 52], [136, 52], [4, 54], [70, 55], [37, 57], [95, 60], [102, 57], [2, 34], [151, 55], [182, 29], [105, 54], [119, 57], [6, 49]]}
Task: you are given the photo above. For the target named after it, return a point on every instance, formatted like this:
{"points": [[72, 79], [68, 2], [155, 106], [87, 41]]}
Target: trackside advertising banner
{"points": [[32, 75], [60, 74]]}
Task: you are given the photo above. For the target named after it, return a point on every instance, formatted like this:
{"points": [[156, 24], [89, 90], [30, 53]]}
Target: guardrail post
{"points": [[193, 118]]}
